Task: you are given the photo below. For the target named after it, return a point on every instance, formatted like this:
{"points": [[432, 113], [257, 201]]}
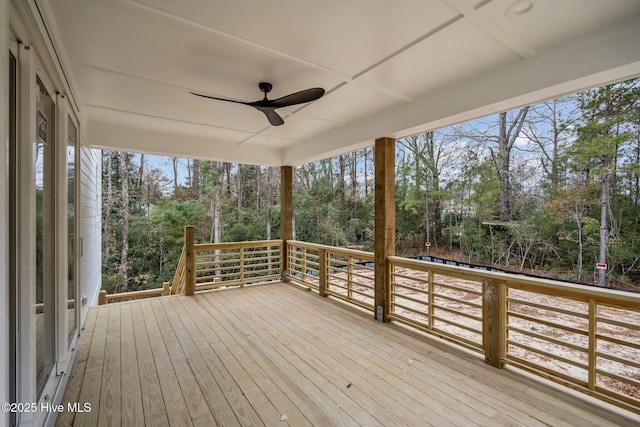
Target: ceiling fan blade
{"points": [[273, 117], [301, 97], [219, 99]]}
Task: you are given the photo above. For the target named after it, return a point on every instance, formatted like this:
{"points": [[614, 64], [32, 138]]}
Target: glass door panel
{"points": [[44, 183], [72, 137], [13, 227]]}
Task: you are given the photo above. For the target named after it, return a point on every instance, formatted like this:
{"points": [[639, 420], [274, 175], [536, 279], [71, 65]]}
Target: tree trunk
{"points": [[239, 187], [342, 165], [366, 173], [174, 163], [124, 177], [354, 180], [604, 229], [506, 141], [217, 228], [107, 211], [195, 181], [227, 171], [580, 248], [140, 181], [258, 190], [504, 170]]}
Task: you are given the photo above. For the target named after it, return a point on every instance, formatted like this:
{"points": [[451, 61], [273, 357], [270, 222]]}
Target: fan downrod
{"points": [[265, 87]]}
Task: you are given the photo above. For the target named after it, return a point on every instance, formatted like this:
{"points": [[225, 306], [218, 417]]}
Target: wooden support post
{"points": [[322, 273], [166, 289], [593, 309], [385, 223], [286, 214], [190, 263], [493, 322], [102, 297]]}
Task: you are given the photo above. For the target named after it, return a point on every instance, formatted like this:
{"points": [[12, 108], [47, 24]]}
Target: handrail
{"points": [[548, 285]]}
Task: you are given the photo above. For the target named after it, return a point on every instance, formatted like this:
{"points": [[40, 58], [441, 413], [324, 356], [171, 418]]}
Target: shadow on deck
{"points": [[277, 355]]}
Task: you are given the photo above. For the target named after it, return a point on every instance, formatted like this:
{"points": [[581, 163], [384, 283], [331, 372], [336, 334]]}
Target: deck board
{"points": [[277, 355]]}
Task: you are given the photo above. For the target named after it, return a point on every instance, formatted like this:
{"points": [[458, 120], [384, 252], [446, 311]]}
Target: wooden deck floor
{"points": [[276, 355]]}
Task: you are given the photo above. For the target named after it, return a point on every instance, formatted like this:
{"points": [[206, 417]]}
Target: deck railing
{"points": [[584, 337], [343, 273], [239, 263], [215, 265]]}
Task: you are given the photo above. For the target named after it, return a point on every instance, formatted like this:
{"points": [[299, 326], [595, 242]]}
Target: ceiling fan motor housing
{"points": [[265, 87]]}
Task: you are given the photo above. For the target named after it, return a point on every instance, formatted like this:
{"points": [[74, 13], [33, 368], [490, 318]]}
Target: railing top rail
{"points": [[334, 249], [232, 245], [613, 296]]}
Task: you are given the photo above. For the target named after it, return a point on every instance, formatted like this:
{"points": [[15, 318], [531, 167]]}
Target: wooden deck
{"points": [[277, 355]]}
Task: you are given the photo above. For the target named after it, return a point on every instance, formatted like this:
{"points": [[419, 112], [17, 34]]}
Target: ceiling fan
{"points": [[269, 106]]}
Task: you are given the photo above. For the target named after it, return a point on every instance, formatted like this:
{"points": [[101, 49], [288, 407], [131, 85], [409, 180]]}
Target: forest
{"points": [[551, 189]]}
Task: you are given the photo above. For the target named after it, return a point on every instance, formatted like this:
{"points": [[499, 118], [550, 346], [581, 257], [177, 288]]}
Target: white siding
{"points": [[90, 227]]}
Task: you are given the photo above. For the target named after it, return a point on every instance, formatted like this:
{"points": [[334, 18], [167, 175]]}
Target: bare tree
{"points": [[196, 186], [124, 177]]}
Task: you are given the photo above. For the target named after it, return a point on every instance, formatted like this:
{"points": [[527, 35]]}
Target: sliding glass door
{"points": [[44, 178], [13, 226], [72, 146]]}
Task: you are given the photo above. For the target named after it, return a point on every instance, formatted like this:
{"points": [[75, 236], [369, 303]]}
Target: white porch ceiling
{"points": [[390, 68]]}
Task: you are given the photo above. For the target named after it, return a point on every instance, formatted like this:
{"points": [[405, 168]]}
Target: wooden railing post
{"points": [[349, 277], [190, 264], [166, 289], [303, 263], [493, 322], [102, 297], [242, 267], [591, 375], [322, 272]]}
